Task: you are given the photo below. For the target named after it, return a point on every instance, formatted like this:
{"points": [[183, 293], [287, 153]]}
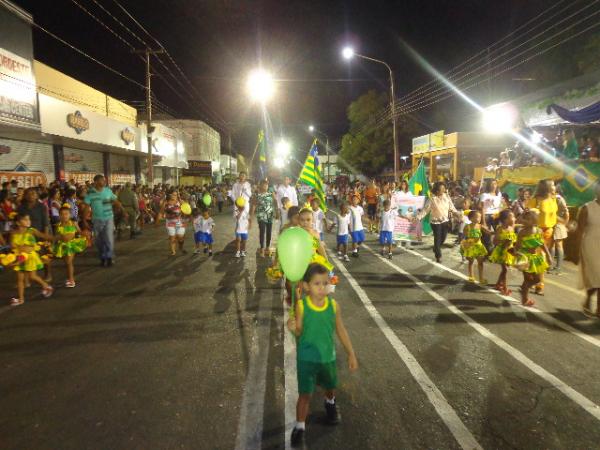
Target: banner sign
{"points": [[405, 229], [198, 169], [121, 178], [25, 179], [18, 99], [420, 144], [80, 177]]}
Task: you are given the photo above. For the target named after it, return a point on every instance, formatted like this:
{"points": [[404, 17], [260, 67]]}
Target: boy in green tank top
{"points": [[317, 319]]}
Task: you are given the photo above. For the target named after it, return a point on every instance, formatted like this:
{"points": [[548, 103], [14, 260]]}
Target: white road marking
{"points": [[543, 316], [554, 381], [458, 429], [289, 368], [250, 429]]}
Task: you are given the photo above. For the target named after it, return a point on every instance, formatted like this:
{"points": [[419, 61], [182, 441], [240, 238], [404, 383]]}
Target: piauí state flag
{"points": [[262, 154], [419, 185], [311, 175]]}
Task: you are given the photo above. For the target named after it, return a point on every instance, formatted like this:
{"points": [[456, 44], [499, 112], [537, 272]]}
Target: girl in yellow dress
{"points": [[319, 254], [471, 246], [504, 241], [530, 244], [67, 245], [27, 261]]}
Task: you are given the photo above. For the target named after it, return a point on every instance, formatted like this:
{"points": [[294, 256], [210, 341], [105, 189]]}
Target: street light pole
{"points": [[349, 53]]}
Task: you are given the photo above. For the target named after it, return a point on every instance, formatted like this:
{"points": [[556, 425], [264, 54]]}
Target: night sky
{"points": [[216, 42]]}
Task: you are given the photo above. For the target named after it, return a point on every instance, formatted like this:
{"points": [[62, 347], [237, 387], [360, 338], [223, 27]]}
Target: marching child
{"points": [[67, 244], [357, 230], [317, 317], [388, 220], [342, 223], [319, 253], [27, 263], [293, 215], [197, 223], [471, 246], [283, 212], [242, 225], [207, 225], [530, 243], [319, 221], [504, 240]]}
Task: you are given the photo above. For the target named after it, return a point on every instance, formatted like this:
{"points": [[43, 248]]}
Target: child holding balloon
{"points": [[242, 226], [316, 318]]}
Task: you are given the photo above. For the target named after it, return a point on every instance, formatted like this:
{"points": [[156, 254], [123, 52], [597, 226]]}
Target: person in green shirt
{"points": [[571, 150], [317, 318]]}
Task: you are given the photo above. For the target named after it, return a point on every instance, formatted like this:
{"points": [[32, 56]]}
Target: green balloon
{"points": [[207, 199], [294, 250]]}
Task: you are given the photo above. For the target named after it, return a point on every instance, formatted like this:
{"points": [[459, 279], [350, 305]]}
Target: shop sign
{"points": [[436, 140], [121, 178], [25, 179], [80, 177], [198, 169], [128, 135], [420, 144], [78, 122], [4, 149], [73, 158], [17, 88]]}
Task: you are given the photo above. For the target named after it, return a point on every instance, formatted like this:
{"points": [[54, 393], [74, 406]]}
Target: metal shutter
{"points": [[77, 160], [122, 164], [27, 157]]}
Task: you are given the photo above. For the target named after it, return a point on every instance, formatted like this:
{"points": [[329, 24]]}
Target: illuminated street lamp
{"points": [[348, 53], [499, 119], [260, 86], [282, 149]]}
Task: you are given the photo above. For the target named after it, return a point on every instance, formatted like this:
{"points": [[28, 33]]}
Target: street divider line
{"points": [[541, 315], [289, 370], [585, 403], [458, 429]]}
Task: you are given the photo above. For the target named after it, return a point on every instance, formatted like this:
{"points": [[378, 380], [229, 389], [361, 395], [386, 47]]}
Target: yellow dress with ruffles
{"points": [[33, 261], [501, 253], [471, 246], [68, 248], [317, 258], [532, 245]]}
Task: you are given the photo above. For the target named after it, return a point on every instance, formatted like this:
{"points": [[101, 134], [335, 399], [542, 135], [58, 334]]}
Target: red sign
{"points": [[25, 179], [73, 157], [80, 177], [4, 149]]}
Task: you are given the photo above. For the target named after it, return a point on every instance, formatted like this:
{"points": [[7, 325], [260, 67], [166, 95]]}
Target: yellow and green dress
{"points": [[532, 250], [71, 247], [471, 246], [501, 253], [317, 258], [32, 261]]}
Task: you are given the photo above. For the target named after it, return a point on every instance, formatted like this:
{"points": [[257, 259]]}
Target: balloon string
{"points": [[293, 308]]}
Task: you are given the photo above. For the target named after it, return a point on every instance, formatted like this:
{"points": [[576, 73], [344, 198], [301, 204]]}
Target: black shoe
{"points": [[333, 415], [389, 256], [205, 249], [297, 439], [132, 236], [209, 253], [438, 259], [102, 262], [109, 262]]}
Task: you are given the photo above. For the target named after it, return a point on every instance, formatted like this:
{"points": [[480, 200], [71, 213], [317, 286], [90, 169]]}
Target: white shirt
{"points": [[197, 223], [491, 203], [286, 191], [207, 225], [388, 219], [318, 217], [343, 224], [283, 217], [241, 190], [242, 222], [356, 213]]}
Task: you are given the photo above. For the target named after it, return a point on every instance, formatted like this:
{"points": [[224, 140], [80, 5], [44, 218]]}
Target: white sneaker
{"points": [[196, 251], [340, 254], [243, 253], [238, 254], [346, 258]]}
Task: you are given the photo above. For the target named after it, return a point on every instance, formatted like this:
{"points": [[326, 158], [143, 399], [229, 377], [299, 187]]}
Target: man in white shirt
{"points": [[241, 188], [286, 190]]}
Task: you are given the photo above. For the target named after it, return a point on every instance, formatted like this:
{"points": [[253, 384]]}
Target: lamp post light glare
{"points": [[278, 162], [311, 128], [260, 85], [348, 52], [498, 119], [282, 150]]}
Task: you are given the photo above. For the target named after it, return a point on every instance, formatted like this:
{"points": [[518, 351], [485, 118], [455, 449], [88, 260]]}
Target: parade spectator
{"points": [[54, 205], [7, 208], [131, 207], [371, 198], [560, 231], [220, 197], [71, 200], [520, 204], [545, 202], [439, 207], [264, 208], [571, 149], [335, 193], [588, 237], [242, 188], [170, 209], [490, 204], [286, 190], [101, 200]]}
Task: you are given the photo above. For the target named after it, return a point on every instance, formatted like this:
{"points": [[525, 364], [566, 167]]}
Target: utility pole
{"points": [[149, 128]]}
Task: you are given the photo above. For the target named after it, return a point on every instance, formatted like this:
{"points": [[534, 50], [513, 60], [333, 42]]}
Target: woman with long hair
{"points": [[171, 210], [490, 204]]}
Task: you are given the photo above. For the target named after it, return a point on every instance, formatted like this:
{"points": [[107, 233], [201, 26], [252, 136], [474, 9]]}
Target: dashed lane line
{"points": [[458, 429], [289, 368], [585, 403]]}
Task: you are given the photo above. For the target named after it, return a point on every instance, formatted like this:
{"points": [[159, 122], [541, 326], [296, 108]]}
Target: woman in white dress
{"points": [[588, 229]]}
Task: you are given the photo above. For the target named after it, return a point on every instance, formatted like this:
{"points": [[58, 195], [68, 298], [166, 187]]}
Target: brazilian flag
{"points": [[419, 185]]}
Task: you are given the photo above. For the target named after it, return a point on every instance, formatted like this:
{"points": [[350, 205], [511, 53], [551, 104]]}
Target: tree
{"points": [[368, 147]]}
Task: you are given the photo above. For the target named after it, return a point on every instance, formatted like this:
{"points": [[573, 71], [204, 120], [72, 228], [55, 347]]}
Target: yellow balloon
{"points": [[241, 202], [186, 209]]}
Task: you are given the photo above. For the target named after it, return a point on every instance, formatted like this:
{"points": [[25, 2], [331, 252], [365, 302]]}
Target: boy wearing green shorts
{"points": [[317, 318]]}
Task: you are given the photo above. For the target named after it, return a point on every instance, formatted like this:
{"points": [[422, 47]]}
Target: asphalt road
{"points": [[190, 352]]}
